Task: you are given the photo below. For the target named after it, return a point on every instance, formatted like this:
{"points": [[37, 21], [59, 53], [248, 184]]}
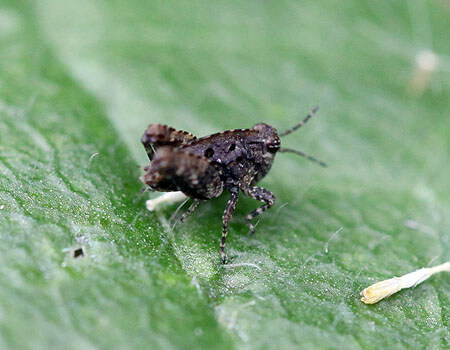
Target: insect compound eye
{"points": [[273, 145], [209, 152]]}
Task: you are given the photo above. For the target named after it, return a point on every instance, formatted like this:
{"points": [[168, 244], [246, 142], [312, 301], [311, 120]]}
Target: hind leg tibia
{"points": [[158, 135]]}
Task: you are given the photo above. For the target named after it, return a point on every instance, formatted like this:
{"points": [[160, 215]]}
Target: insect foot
{"points": [[202, 168]]}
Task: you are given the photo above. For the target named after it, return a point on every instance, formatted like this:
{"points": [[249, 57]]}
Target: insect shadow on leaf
{"points": [[202, 168]]}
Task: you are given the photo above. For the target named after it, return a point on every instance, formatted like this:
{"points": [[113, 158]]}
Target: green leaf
{"points": [[79, 82], [69, 182]]}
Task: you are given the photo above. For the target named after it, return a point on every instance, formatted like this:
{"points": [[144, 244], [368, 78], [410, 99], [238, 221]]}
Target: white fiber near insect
{"points": [[166, 198], [386, 288]]}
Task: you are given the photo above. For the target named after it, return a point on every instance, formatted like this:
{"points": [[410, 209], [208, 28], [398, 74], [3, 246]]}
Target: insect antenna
{"points": [[307, 156], [299, 125]]}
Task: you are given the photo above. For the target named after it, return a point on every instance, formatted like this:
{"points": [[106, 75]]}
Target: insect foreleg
{"points": [[262, 195]]}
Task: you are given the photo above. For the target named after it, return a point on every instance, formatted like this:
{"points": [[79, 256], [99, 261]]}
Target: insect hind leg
{"points": [[158, 135], [262, 195], [173, 169]]}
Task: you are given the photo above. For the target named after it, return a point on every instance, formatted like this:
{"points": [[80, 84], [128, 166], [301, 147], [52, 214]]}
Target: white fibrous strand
{"points": [[386, 288]]}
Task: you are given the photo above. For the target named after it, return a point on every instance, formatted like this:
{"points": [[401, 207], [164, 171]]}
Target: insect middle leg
{"points": [[262, 195], [227, 214], [190, 210]]}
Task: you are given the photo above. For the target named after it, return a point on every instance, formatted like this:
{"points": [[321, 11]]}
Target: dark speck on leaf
{"points": [[78, 252]]}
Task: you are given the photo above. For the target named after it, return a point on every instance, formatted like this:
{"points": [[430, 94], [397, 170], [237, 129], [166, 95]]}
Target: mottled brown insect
{"points": [[202, 168]]}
